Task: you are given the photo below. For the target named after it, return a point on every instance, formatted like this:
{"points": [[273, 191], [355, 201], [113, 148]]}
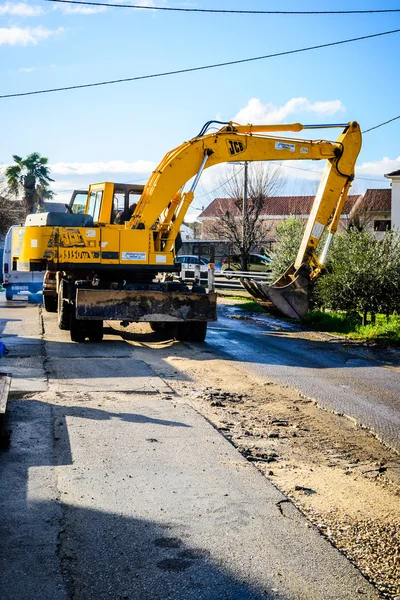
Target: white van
{"points": [[13, 280]]}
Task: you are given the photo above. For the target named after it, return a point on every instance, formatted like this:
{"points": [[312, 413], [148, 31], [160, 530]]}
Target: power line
{"points": [[229, 11], [381, 124], [320, 172], [220, 186], [192, 69]]}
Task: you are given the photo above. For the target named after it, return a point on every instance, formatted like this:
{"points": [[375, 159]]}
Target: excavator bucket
{"points": [[288, 295]]}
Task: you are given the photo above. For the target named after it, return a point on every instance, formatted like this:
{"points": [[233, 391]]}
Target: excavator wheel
{"points": [[94, 331], [76, 329], [165, 329], [50, 303], [191, 331], [80, 329], [64, 307]]}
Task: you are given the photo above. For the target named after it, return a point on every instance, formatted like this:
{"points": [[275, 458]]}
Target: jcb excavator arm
{"points": [[162, 206]]}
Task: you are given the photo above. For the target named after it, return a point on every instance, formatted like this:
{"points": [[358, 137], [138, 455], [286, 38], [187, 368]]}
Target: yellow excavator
{"points": [[111, 257]]}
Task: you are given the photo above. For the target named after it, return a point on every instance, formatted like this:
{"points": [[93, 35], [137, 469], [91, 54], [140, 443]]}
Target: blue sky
{"points": [[120, 132]]}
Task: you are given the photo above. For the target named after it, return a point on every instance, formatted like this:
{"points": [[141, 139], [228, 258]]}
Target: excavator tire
{"points": [[50, 303], [76, 329], [94, 331], [191, 331], [165, 329], [64, 307]]}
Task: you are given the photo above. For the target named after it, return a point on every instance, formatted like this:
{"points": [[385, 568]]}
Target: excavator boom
{"points": [[290, 293]]}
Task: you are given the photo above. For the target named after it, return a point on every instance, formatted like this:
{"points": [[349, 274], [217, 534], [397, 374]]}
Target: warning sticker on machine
{"points": [[134, 256], [283, 146], [317, 230]]}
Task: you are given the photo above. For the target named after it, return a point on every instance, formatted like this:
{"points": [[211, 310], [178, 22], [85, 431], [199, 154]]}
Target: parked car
{"points": [[191, 259], [257, 262], [188, 262]]}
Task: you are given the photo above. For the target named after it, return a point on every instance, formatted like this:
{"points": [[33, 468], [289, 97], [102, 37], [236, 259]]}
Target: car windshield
{"points": [[194, 260]]}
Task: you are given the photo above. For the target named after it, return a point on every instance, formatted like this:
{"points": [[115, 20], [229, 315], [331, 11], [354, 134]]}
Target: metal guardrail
{"points": [[221, 279], [231, 279]]}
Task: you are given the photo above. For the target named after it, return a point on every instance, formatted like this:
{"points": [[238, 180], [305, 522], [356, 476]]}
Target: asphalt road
{"points": [[338, 378], [113, 487]]}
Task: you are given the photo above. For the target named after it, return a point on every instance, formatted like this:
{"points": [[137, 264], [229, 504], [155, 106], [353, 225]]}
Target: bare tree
{"points": [[239, 218]]}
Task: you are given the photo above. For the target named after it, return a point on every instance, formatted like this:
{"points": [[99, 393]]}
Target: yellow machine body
{"points": [[109, 254]]}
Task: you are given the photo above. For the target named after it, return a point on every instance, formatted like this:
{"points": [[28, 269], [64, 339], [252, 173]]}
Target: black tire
{"points": [[191, 331], [165, 329], [94, 330], [50, 303], [9, 293], [64, 306], [156, 326], [77, 329]]}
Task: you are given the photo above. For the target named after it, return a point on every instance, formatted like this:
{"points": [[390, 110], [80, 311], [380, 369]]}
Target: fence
{"points": [[221, 279]]}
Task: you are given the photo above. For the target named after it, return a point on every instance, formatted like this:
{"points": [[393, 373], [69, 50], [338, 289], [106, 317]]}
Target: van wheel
{"points": [[64, 307], [9, 293], [50, 303]]}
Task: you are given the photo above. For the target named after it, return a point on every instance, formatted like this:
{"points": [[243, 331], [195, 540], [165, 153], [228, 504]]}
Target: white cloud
{"points": [[258, 113], [379, 167], [90, 10], [81, 10], [20, 9], [28, 69], [16, 36], [96, 168]]}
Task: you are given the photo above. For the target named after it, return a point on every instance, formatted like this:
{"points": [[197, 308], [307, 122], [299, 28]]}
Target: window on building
{"points": [[382, 225]]}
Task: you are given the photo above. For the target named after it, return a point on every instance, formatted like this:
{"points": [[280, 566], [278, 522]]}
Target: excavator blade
{"points": [[289, 295]]}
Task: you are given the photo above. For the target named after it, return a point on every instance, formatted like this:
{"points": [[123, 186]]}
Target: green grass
{"points": [[251, 306], [381, 331]]}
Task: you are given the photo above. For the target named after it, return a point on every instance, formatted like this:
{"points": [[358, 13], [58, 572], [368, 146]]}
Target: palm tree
{"points": [[30, 178]]}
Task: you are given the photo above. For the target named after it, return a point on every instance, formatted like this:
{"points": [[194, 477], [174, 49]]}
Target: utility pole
{"points": [[244, 218]]}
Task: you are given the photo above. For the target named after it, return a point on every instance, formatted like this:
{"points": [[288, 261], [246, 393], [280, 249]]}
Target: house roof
{"points": [[276, 205], [393, 174], [376, 200]]}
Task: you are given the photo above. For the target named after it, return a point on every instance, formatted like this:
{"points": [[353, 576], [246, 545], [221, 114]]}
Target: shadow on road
{"points": [[58, 550]]}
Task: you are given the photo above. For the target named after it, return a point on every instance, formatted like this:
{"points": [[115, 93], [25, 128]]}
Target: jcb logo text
{"points": [[235, 147]]}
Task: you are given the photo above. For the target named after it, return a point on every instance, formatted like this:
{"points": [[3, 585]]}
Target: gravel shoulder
{"points": [[339, 475]]}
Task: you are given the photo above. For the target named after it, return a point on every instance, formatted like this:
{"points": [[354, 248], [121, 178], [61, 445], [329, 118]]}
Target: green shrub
{"points": [[363, 274]]}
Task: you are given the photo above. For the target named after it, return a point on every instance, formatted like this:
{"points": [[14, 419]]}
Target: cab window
{"points": [[118, 209], [94, 206], [79, 204]]}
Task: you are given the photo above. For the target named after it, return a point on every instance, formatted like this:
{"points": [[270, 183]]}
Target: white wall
{"points": [[396, 203]]}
